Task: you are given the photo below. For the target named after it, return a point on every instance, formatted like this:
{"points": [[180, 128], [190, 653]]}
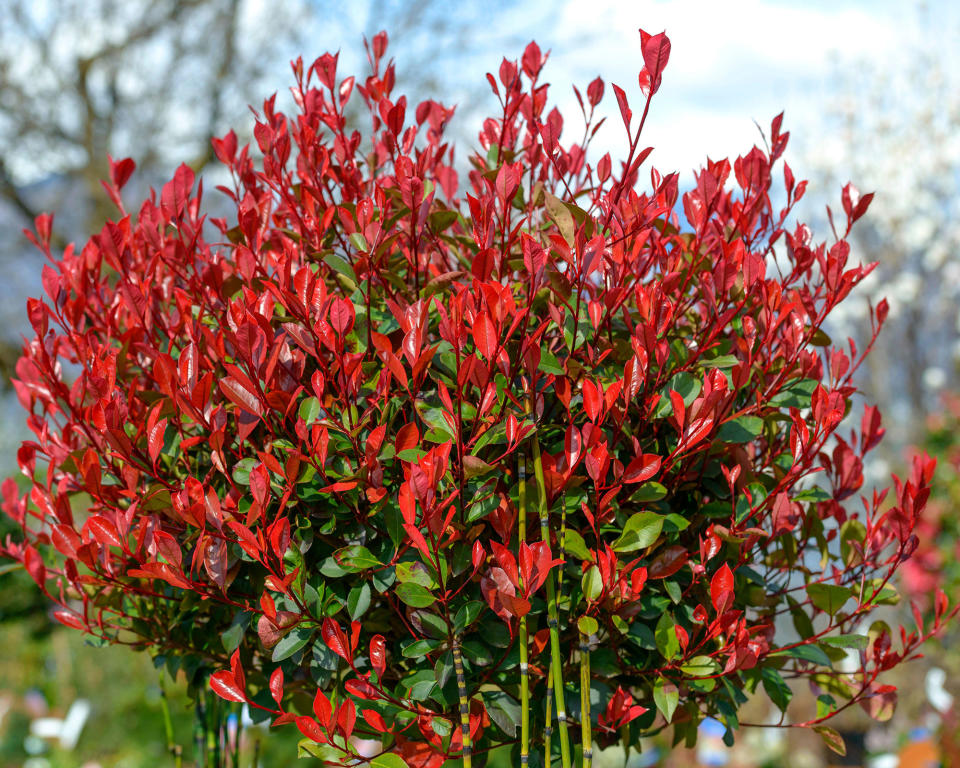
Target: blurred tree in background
{"points": [[896, 131], [156, 79]]}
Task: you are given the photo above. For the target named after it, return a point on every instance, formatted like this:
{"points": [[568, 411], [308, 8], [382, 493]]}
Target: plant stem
{"points": [[585, 736], [464, 704], [172, 746], [552, 613], [255, 763], [548, 728], [524, 674]]}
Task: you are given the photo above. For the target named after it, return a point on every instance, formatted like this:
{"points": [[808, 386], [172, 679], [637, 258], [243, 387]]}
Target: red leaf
{"points": [[671, 560], [173, 198], [237, 670], [361, 688], [595, 91], [625, 112], [276, 685], [347, 717], [592, 399], [697, 431], [104, 531], [225, 686], [215, 562], [485, 335], [532, 60], [656, 53], [120, 171], [375, 720], [378, 655], [155, 440], [679, 409], [721, 588], [335, 638], [241, 396], [323, 709], [342, 315], [311, 729], [69, 619], [642, 468], [408, 437]]}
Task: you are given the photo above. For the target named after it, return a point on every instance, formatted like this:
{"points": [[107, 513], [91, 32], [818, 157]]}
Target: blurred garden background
{"points": [[870, 91]]}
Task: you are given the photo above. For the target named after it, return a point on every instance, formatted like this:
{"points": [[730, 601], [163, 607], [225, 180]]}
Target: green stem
{"points": [[172, 746], [213, 732], [464, 704], [585, 735], [200, 730], [553, 620], [524, 674], [255, 763], [548, 728]]}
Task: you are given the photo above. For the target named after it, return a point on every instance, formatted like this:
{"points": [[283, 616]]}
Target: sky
{"points": [[732, 63]]}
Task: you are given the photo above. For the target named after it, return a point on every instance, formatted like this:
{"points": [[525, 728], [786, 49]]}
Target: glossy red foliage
{"points": [[382, 412]]}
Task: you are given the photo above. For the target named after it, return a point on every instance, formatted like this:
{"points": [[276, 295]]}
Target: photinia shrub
{"points": [[553, 464]]}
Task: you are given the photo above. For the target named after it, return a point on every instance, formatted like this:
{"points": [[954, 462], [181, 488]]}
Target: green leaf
{"points": [[685, 385], [851, 531], [325, 752], [503, 709], [573, 544], [666, 696], [828, 597], [675, 523], [549, 363], [810, 652], [561, 216], [815, 494], [416, 573], [419, 648], [592, 583], [241, 471], [467, 615], [722, 361], [588, 625], [394, 522], [665, 635], [355, 558], [359, 241], [310, 410], [433, 626], [743, 429], [640, 531], [292, 642], [232, 636], [859, 642], [340, 265], [474, 466], [700, 666], [651, 491], [388, 760], [797, 395], [415, 595], [831, 738], [776, 688], [826, 705], [358, 601]]}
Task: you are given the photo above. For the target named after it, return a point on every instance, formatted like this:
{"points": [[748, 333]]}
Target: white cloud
{"points": [[731, 63]]}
